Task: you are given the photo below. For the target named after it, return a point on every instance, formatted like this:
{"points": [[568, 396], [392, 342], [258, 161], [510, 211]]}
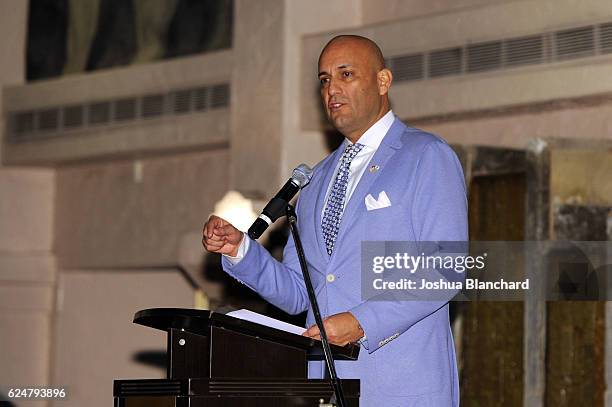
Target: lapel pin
{"points": [[374, 168]]}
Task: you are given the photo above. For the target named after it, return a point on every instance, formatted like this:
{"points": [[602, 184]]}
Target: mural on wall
{"points": [[72, 36]]}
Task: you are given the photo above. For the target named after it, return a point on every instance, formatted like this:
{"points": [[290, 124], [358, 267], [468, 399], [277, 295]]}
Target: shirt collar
{"points": [[374, 135]]}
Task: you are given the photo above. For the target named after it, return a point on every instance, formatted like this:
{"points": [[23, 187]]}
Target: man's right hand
{"points": [[220, 236]]}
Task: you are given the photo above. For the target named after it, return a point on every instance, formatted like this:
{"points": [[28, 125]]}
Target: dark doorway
{"points": [[491, 363]]}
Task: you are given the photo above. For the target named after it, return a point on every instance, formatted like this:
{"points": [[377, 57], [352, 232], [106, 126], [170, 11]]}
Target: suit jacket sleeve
{"points": [[280, 283], [439, 213]]}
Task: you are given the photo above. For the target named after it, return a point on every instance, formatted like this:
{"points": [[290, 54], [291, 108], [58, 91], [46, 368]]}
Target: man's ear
{"points": [[384, 77]]}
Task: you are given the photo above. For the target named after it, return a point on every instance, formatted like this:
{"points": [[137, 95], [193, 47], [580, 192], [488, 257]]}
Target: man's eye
{"points": [[347, 74], [324, 80]]}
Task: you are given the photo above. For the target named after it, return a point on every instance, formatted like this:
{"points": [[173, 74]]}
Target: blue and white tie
{"points": [[332, 215]]}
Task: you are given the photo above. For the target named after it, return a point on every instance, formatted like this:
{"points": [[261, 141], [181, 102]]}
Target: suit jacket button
{"points": [[331, 278]]}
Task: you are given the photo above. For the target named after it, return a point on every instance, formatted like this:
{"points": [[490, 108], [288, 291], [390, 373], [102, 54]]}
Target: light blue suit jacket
{"points": [[409, 356]]}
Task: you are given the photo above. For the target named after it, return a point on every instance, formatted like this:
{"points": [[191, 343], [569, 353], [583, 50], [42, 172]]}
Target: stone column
{"points": [[27, 266], [257, 97]]}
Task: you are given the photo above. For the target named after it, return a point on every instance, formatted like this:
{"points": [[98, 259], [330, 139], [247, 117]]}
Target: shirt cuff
{"points": [[242, 250]]}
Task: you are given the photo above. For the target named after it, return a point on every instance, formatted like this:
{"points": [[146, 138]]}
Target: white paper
{"points": [[267, 321]]}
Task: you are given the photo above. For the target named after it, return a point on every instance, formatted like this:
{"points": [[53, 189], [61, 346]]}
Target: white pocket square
{"points": [[382, 201]]}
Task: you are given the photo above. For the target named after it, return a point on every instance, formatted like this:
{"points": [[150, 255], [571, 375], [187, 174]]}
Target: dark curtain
{"points": [[46, 38], [200, 26], [115, 41]]}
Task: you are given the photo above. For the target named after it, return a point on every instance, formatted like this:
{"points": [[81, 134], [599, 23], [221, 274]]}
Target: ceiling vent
{"points": [[99, 113], [574, 43], [125, 109], [73, 116], [523, 51], [605, 38], [153, 106], [484, 57], [549, 47], [56, 121], [445, 62], [406, 67]]}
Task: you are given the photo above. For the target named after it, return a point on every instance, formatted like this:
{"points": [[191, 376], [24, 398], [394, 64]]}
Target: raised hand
{"points": [[220, 236]]}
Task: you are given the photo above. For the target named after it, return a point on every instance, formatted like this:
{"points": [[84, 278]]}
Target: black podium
{"points": [[215, 360]]}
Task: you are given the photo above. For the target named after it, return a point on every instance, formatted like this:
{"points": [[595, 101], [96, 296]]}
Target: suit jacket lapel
{"points": [[389, 145]]}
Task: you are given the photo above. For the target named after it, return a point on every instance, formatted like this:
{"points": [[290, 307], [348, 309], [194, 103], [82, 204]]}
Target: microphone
{"points": [[278, 205]]}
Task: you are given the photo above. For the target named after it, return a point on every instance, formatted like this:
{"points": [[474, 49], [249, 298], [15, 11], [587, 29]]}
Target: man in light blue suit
{"points": [[385, 182]]}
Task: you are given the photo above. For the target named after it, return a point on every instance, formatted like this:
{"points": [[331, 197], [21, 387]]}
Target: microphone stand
{"points": [[329, 360]]}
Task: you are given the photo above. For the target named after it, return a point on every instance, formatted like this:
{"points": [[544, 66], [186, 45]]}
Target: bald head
{"points": [[354, 84], [368, 47]]}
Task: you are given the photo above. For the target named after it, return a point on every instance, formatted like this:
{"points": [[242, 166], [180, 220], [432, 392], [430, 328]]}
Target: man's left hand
{"points": [[341, 329]]}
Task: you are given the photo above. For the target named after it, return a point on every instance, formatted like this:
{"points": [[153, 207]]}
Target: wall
{"points": [[27, 267], [96, 341], [132, 134], [301, 145], [380, 11], [483, 107], [515, 129], [108, 215]]}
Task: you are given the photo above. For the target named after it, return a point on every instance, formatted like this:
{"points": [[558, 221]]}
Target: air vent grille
{"points": [[575, 43], [549, 47], [524, 51], [99, 113], [24, 123], [407, 67], [182, 101], [445, 62], [200, 99], [73, 116], [219, 96], [152, 106], [484, 57], [605, 38], [48, 120], [125, 109], [60, 120]]}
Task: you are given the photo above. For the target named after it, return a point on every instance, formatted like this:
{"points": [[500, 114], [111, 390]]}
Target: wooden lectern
{"points": [[215, 360]]}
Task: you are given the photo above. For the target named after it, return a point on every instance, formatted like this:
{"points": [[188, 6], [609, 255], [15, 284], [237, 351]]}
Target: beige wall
{"points": [[26, 303], [114, 214], [27, 268], [516, 129], [256, 96], [265, 89], [477, 91], [379, 11], [96, 341], [304, 18], [123, 138], [109, 215], [26, 210]]}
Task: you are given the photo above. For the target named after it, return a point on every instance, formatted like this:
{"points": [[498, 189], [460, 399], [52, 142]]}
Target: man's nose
{"points": [[333, 88]]}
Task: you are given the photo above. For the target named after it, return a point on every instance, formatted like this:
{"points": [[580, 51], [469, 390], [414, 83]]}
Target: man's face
{"points": [[350, 88]]}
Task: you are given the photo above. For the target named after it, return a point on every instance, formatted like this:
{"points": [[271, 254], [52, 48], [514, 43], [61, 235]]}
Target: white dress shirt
{"points": [[371, 140]]}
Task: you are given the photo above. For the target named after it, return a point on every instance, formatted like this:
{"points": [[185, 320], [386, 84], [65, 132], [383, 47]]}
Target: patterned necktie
{"points": [[332, 215]]}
